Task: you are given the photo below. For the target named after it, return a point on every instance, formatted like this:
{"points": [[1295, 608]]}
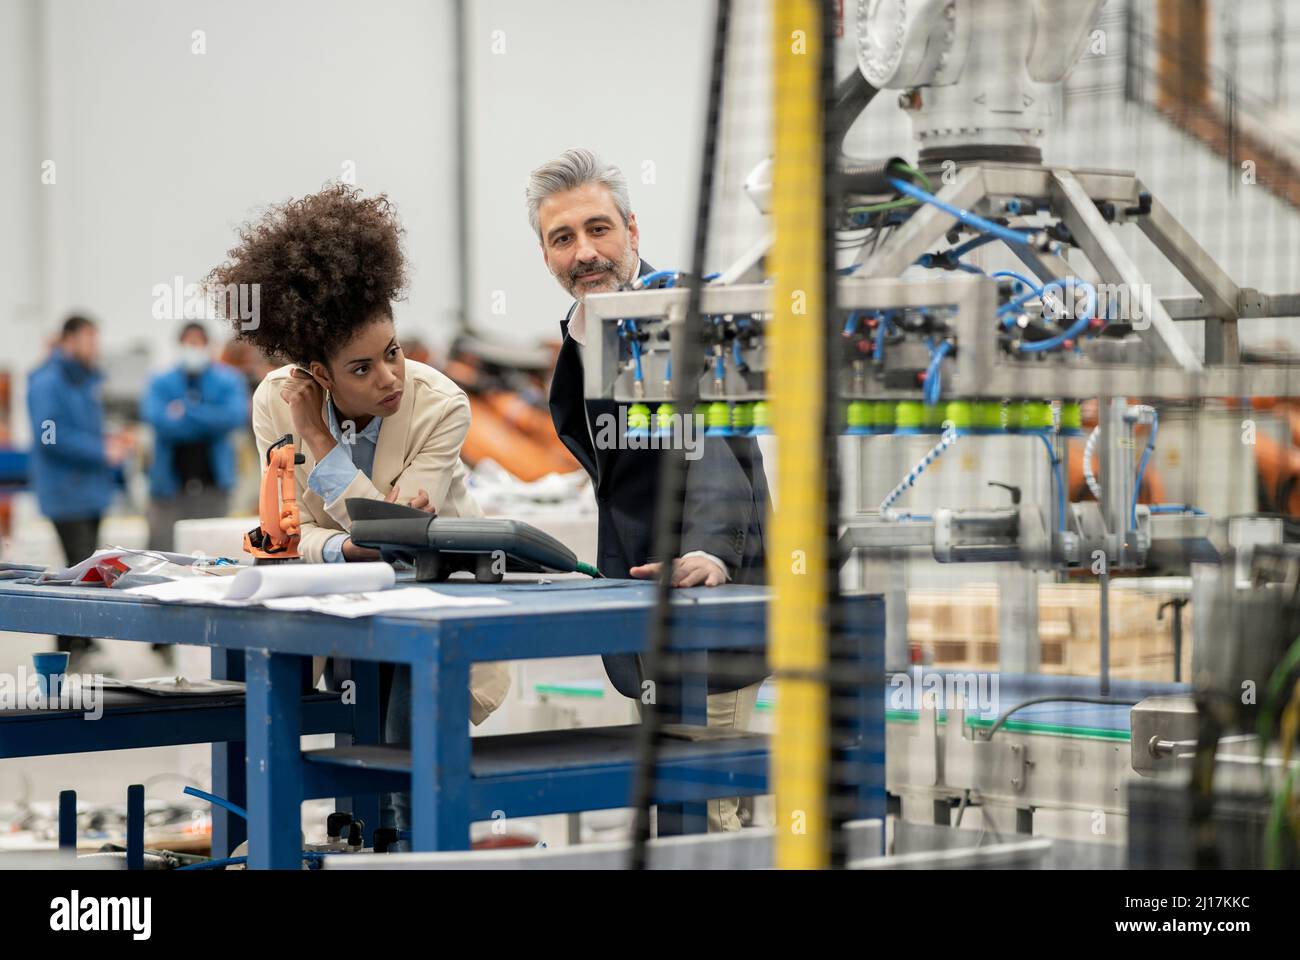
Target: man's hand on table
{"points": [[687, 572]]}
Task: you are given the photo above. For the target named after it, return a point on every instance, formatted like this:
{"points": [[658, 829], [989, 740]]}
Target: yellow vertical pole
{"points": [[797, 554]]}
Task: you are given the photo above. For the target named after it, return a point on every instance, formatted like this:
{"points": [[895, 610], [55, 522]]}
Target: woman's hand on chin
{"points": [[304, 397]]}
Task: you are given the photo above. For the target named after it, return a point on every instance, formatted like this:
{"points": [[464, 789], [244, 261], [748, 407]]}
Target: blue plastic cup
{"points": [[50, 669]]}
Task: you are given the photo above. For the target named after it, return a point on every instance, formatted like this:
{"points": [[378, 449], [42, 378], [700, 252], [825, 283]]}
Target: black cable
{"points": [[672, 466], [848, 99], [1105, 701], [961, 807], [1205, 834], [840, 106]]}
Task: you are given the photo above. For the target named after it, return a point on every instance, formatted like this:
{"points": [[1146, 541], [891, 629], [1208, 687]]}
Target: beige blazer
{"points": [[418, 448]]}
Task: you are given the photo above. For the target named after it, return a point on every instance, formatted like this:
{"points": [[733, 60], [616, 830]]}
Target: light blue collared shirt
{"points": [[331, 475]]}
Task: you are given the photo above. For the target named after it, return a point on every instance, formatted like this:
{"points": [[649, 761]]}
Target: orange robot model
{"points": [[275, 539]]}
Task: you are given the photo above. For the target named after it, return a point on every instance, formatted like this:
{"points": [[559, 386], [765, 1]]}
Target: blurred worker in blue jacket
{"points": [[74, 464], [193, 409]]}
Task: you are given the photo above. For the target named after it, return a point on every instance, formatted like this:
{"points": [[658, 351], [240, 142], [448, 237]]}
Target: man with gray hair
{"points": [[580, 211]]}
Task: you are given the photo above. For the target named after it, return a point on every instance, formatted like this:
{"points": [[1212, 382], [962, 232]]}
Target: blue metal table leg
{"points": [[358, 683], [862, 760], [228, 766], [274, 725], [135, 827], [67, 819], [674, 819], [440, 756]]}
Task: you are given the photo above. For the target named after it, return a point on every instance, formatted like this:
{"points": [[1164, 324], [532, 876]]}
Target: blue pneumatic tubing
{"points": [[963, 216], [1079, 326], [1059, 481], [219, 801], [1142, 467]]}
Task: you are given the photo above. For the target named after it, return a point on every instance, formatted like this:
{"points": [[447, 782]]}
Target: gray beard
{"points": [[624, 273]]}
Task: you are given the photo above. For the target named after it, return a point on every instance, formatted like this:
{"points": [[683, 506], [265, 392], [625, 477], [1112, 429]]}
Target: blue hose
{"points": [[650, 278], [1011, 274], [218, 801], [962, 216], [1059, 482], [1142, 467], [1077, 328], [213, 864], [933, 374]]}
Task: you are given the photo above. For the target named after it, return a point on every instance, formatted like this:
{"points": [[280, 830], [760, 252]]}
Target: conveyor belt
{"points": [[1063, 719]]}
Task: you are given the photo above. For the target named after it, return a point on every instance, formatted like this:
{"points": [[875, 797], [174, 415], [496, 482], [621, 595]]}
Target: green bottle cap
{"points": [[638, 417], [762, 416], [742, 417], [664, 416], [718, 416], [961, 413], [1015, 414], [882, 416], [1037, 416], [910, 415], [859, 415], [988, 416], [1071, 416]]}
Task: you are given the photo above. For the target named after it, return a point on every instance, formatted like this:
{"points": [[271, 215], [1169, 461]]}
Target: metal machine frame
{"points": [[979, 370], [1155, 361]]}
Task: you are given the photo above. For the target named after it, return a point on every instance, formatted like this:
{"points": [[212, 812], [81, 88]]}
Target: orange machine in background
{"points": [[1278, 464], [1153, 487], [510, 421]]}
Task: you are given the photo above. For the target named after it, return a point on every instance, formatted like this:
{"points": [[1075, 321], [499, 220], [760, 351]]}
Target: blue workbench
{"points": [[453, 780]]}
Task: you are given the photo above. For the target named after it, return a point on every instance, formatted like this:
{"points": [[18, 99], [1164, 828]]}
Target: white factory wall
{"points": [[160, 152], [21, 239], [1267, 39], [1252, 233], [625, 79]]}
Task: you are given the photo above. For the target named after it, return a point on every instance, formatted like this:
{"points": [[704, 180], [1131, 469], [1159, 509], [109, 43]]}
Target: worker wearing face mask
{"points": [[193, 408]]}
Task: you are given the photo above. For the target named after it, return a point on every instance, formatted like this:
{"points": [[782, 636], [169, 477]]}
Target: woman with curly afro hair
{"points": [[369, 422], [327, 269]]}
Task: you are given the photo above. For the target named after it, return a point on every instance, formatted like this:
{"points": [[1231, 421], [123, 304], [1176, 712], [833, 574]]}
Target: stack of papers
{"points": [[341, 590], [175, 686]]}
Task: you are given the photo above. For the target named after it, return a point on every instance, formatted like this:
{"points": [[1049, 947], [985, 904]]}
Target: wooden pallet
{"points": [[958, 628]]}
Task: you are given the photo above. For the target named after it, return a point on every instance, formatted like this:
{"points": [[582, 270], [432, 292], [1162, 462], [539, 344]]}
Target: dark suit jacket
{"points": [[724, 510]]}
